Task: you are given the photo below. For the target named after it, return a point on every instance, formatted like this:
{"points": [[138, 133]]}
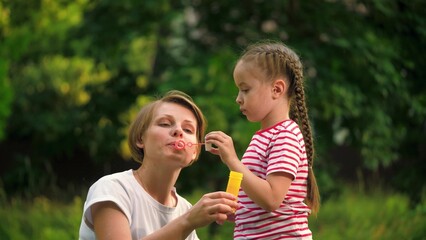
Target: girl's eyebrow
{"points": [[242, 84]]}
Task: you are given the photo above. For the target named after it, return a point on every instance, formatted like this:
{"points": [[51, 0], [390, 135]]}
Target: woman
{"points": [[143, 203]]}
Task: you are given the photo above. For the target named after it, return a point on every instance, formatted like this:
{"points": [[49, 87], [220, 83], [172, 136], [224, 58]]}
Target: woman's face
{"points": [[171, 122]]}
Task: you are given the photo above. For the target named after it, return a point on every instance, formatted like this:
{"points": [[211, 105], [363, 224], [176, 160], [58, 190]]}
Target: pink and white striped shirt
{"points": [[280, 148]]}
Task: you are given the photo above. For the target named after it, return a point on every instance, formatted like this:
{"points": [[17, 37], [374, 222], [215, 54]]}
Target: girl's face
{"points": [[254, 93], [170, 122]]}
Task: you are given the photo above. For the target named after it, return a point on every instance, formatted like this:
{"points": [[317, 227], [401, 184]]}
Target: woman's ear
{"points": [[279, 88], [194, 154], [140, 144]]}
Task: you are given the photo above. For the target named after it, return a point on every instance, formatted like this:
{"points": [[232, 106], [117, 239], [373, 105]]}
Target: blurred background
{"points": [[73, 74]]}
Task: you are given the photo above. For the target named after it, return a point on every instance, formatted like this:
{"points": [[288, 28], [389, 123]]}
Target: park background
{"points": [[74, 73]]}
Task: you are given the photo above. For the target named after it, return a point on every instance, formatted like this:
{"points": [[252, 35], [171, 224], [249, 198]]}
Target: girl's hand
{"points": [[224, 146]]}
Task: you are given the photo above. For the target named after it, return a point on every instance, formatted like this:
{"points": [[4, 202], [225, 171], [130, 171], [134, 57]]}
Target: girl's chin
{"points": [[251, 119]]}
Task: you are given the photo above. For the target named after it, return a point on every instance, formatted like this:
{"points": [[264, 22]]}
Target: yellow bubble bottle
{"points": [[234, 183]]}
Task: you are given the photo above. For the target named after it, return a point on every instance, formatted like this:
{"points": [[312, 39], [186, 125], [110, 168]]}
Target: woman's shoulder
{"points": [[118, 177]]}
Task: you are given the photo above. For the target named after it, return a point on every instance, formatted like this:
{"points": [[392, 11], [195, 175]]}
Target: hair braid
{"points": [[301, 113]]}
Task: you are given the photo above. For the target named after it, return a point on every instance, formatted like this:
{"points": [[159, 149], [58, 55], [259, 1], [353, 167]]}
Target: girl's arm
{"points": [[269, 193]]}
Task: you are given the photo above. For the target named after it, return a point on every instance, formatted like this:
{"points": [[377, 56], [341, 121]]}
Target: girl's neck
{"points": [[279, 112]]}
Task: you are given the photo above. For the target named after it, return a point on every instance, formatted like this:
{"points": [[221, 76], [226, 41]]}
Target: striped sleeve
{"points": [[285, 150]]}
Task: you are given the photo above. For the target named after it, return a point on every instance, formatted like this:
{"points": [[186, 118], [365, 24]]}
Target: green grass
{"points": [[40, 219], [370, 216], [353, 215]]}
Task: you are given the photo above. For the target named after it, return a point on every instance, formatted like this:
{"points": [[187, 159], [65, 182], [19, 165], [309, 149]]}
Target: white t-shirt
{"points": [[145, 214]]}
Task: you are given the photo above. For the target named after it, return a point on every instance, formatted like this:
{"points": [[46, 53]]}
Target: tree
{"points": [[81, 69]]}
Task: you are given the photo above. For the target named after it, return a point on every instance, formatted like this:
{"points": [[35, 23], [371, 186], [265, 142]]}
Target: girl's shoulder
{"points": [[283, 126]]}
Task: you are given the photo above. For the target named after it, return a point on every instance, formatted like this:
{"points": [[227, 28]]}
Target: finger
{"points": [[212, 134], [216, 135], [220, 218], [222, 205], [220, 194], [220, 222], [214, 151], [224, 208]]}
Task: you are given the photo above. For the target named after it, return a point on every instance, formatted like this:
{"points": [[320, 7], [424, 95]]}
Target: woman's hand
{"points": [[212, 207]]}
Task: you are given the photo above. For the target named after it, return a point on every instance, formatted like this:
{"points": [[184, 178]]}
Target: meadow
{"points": [[352, 215]]}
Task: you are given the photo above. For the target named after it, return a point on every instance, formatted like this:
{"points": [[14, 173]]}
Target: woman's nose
{"points": [[177, 132]]}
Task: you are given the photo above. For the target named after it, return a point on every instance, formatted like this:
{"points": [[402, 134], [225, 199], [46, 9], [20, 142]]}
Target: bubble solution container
{"points": [[234, 183]]}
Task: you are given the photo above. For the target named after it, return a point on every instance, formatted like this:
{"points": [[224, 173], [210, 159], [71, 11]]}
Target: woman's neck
{"points": [[159, 184]]}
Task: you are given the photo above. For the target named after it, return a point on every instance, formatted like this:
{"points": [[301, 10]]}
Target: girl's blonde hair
{"points": [[144, 118], [275, 60]]}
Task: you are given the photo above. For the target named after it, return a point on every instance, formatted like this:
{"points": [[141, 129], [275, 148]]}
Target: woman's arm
{"points": [[110, 223]]}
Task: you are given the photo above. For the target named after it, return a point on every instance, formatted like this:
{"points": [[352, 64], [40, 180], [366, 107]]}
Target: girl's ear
{"points": [[279, 88], [140, 144]]}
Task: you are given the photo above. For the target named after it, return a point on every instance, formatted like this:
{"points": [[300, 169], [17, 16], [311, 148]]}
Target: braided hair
{"points": [[276, 60]]}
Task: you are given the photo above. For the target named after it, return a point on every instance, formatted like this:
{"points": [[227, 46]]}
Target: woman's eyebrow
{"points": [[162, 117], [191, 122], [168, 116]]}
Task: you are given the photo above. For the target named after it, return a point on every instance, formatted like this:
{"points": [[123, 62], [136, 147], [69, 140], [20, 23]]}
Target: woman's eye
{"points": [[188, 130], [164, 124]]}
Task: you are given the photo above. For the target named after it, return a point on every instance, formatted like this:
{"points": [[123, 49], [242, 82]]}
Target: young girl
{"points": [[279, 189]]}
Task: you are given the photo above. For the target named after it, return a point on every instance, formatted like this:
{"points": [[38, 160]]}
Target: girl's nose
{"points": [[238, 99]]}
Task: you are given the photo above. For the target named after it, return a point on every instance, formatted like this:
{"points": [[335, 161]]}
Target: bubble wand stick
{"points": [[180, 144]]}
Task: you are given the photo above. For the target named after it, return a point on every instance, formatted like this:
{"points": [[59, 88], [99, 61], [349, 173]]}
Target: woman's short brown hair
{"points": [[144, 118]]}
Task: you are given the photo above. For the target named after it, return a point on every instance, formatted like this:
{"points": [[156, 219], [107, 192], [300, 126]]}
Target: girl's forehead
{"points": [[247, 73], [243, 65], [249, 67]]}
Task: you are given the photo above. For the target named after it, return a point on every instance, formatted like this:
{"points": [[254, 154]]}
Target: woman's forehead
{"points": [[173, 109]]}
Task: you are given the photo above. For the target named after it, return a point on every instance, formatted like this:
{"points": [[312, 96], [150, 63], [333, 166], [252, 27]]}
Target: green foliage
{"points": [[370, 216], [353, 215], [6, 93], [5, 98], [73, 73], [40, 219]]}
